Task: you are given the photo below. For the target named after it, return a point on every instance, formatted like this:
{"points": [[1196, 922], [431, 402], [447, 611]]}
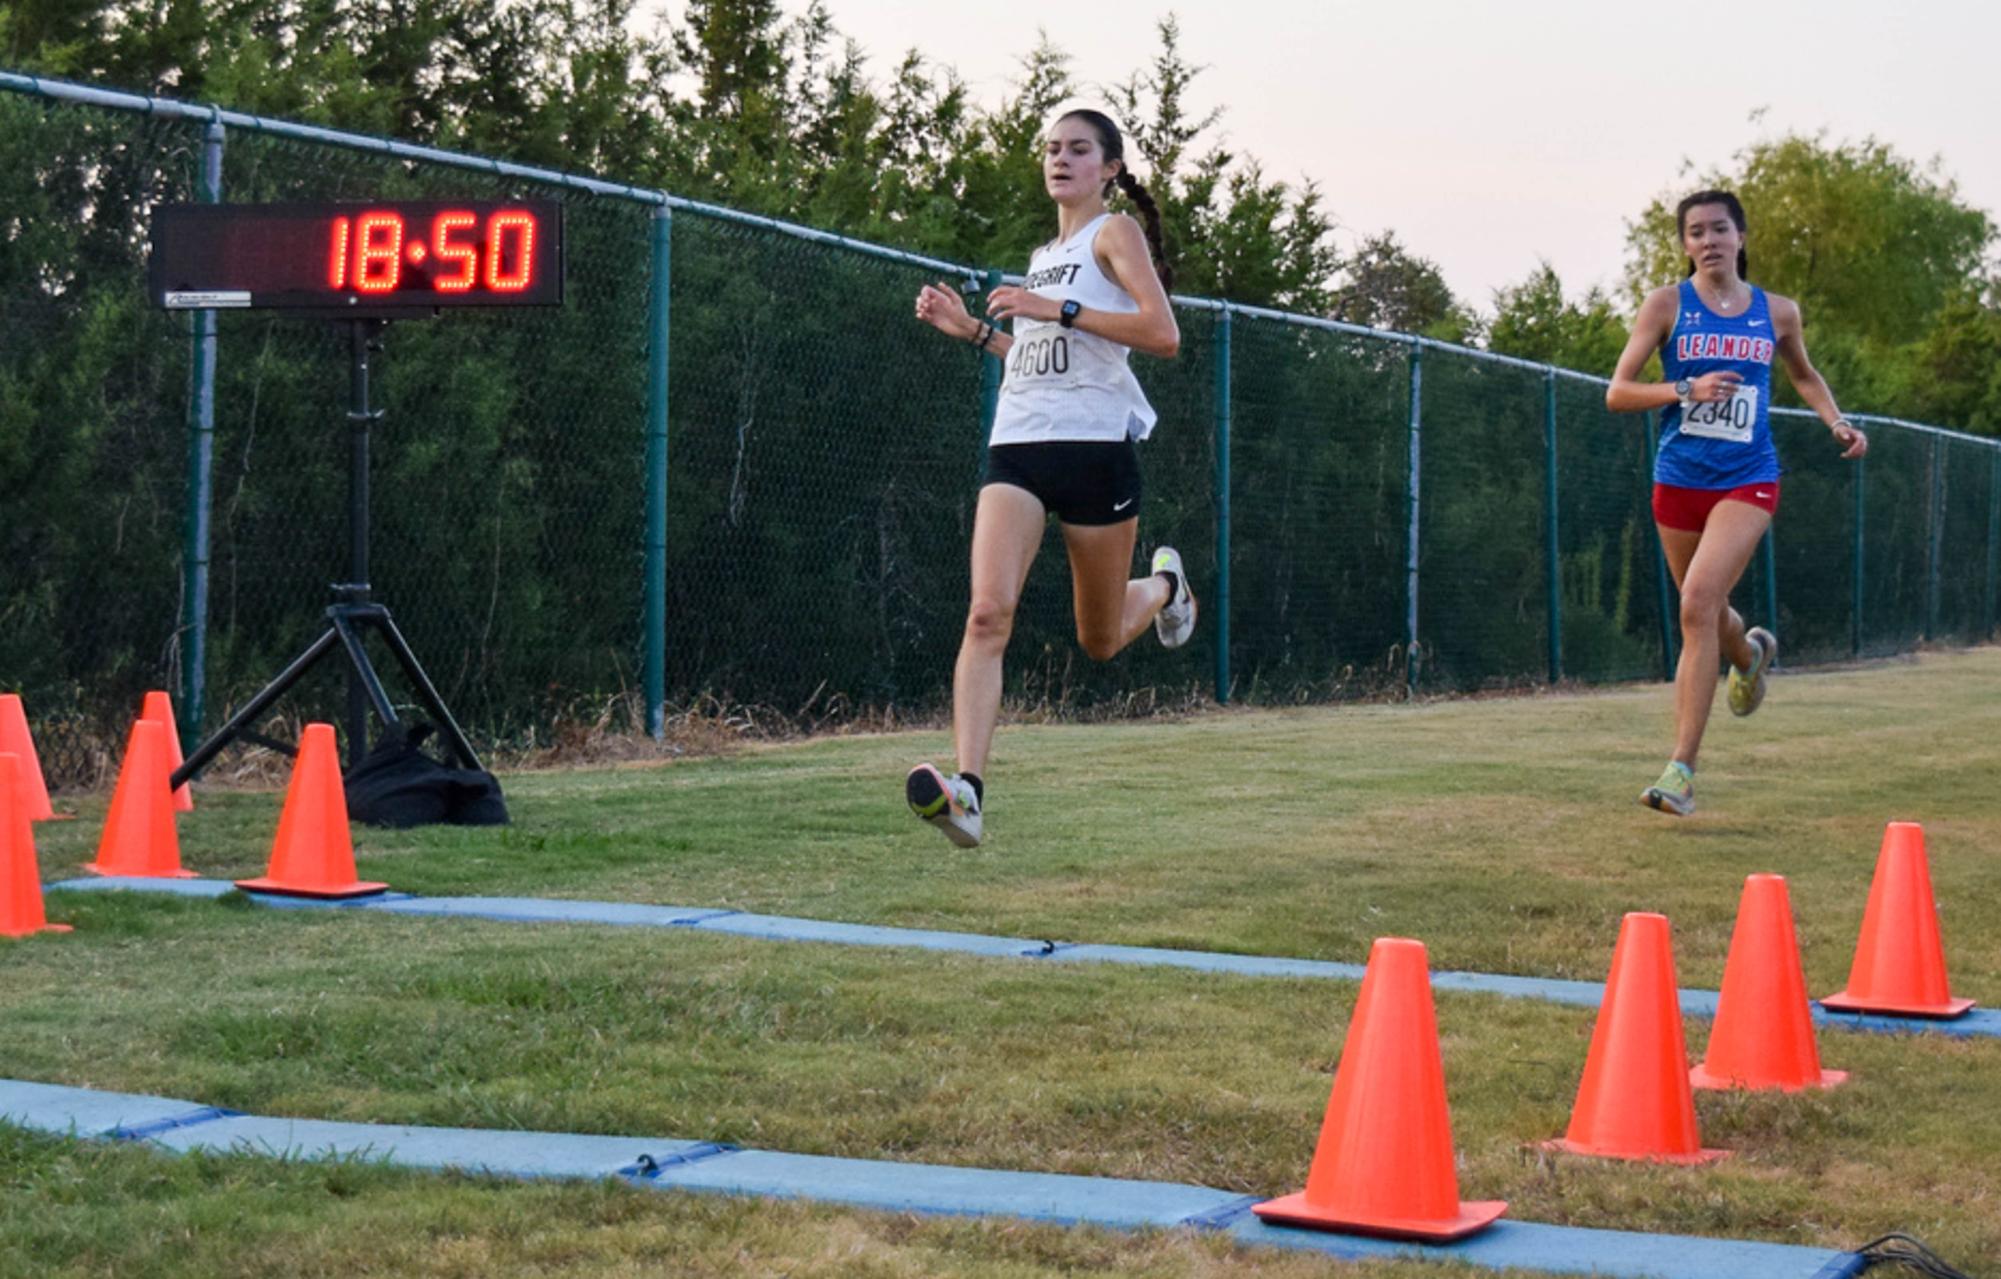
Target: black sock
{"points": [[1173, 586], [979, 787]]}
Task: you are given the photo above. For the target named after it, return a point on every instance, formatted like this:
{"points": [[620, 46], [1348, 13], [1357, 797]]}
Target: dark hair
{"points": [[1736, 210], [1114, 148]]}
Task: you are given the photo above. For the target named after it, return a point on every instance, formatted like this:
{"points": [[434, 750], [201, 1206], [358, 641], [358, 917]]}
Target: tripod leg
{"points": [[357, 715], [205, 753], [362, 682], [428, 692]]}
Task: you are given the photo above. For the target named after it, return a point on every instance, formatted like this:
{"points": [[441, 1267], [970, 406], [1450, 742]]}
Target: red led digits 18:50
{"points": [[367, 252]]}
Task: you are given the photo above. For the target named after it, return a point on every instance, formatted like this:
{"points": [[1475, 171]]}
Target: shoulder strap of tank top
{"points": [[1088, 233]]}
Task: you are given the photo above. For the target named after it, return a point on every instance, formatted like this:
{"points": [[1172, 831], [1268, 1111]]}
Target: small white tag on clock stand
{"points": [[206, 299]]}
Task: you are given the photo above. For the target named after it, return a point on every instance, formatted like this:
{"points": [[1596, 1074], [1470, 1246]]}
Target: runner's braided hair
{"points": [[1114, 147], [1736, 209]]}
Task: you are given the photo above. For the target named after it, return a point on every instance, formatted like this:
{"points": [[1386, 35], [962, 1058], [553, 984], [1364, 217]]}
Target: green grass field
{"points": [[1502, 832]]}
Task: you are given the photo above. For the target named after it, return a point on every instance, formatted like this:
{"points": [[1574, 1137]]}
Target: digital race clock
{"points": [[357, 258]]}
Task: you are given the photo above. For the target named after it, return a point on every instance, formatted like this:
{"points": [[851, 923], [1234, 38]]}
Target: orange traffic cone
{"points": [[14, 740], [313, 855], [20, 879], [1899, 960], [139, 837], [1384, 1162], [1763, 1037], [161, 711], [1635, 1101]]}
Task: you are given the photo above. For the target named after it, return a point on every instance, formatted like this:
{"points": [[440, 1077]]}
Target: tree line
{"points": [[737, 102]]}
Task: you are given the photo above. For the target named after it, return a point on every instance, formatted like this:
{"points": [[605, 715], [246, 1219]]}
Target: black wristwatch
{"points": [[1067, 315]]}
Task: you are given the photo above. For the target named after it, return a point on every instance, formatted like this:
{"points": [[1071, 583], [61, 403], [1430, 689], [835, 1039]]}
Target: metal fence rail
{"points": [[732, 467]]}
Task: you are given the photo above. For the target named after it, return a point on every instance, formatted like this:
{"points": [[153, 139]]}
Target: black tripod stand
{"points": [[350, 615]]}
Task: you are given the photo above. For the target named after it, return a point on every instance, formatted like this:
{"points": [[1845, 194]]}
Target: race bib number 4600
{"points": [[1729, 419], [1039, 356]]}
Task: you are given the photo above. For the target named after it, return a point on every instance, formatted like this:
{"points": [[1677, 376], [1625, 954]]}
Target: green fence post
{"points": [[1413, 502], [656, 472], [1668, 628], [990, 382], [1552, 562], [1993, 540], [201, 479], [1221, 605], [1861, 509], [1934, 539]]}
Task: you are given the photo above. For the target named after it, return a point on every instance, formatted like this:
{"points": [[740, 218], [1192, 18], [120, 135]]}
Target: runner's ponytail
{"points": [[1149, 212]]}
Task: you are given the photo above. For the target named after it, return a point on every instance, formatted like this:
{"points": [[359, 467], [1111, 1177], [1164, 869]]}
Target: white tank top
{"points": [[1066, 384]]}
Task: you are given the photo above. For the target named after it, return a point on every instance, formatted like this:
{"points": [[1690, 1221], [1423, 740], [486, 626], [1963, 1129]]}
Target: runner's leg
{"points": [[1008, 525]]}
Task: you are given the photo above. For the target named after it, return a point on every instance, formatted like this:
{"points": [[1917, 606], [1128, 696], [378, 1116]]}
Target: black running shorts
{"points": [[1079, 481]]}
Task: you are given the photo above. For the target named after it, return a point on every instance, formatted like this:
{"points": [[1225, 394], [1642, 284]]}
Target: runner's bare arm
{"points": [[1627, 394], [1122, 251], [1806, 379], [1651, 328]]}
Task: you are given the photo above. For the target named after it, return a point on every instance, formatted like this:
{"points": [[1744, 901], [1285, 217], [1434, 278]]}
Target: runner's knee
{"points": [[1100, 645], [989, 622], [1702, 607]]}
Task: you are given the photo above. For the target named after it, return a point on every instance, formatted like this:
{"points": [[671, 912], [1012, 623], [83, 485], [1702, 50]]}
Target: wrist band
{"points": [[985, 337]]}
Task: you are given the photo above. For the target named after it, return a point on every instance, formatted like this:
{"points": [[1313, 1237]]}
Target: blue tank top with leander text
{"points": [[1719, 445]]}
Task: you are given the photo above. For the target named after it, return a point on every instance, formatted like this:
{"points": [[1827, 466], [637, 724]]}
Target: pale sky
{"points": [[1490, 135]]}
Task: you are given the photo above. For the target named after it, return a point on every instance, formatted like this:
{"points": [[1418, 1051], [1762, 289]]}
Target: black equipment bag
{"points": [[398, 785]]}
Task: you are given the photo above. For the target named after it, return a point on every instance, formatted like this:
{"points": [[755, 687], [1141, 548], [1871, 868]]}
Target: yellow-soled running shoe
{"points": [[948, 803], [1747, 688], [1673, 793]]}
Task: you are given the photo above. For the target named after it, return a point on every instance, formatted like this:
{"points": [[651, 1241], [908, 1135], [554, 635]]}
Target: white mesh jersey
{"points": [[1066, 384]]}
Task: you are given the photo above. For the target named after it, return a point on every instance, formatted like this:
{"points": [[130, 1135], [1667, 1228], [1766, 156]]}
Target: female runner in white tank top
{"points": [[1070, 411]]}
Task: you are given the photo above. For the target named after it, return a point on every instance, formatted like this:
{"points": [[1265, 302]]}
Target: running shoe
{"points": [[1747, 688], [1175, 622], [1673, 793], [948, 803]]}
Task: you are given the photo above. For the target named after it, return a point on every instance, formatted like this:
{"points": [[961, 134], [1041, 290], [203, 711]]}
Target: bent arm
{"points": [[1807, 380], [1122, 251], [1627, 394]]}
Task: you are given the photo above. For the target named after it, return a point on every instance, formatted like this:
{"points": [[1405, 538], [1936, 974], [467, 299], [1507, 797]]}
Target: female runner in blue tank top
{"points": [[1716, 480], [1062, 445]]}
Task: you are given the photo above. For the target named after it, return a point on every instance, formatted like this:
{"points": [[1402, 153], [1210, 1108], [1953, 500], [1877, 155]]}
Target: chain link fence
{"points": [[756, 488]]}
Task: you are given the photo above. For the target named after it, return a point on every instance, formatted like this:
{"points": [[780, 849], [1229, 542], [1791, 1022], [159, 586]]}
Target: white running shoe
{"points": [[1747, 688], [1176, 622], [948, 803]]}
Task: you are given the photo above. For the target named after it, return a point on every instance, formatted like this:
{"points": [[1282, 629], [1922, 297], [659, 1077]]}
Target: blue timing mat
{"points": [[1978, 1024], [930, 1189], [940, 1190], [527, 1155], [86, 1112]]}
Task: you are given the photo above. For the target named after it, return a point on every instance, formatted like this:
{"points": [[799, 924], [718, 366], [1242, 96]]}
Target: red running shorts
{"points": [[1688, 509]]}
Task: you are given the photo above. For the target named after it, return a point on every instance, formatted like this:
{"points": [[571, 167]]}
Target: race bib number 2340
{"points": [[1729, 419]]}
